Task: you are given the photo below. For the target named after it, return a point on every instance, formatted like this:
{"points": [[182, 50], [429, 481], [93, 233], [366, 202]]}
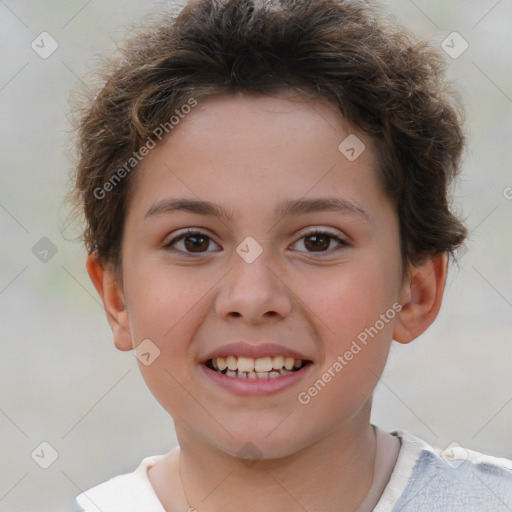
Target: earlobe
{"points": [[421, 298], [111, 293]]}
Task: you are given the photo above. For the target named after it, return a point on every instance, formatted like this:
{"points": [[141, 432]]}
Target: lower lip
{"points": [[256, 387]]}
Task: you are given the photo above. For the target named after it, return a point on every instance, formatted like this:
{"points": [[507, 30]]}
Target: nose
{"points": [[253, 291]]}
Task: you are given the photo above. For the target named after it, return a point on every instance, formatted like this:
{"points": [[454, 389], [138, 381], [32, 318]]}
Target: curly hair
{"points": [[382, 80]]}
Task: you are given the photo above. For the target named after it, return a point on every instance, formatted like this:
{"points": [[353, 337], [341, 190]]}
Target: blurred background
{"points": [[63, 383]]}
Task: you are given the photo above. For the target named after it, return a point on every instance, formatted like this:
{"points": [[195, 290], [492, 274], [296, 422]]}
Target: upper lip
{"points": [[244, 349]]}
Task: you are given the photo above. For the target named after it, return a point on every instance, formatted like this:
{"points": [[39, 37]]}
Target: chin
{"points": [[256, 443]]}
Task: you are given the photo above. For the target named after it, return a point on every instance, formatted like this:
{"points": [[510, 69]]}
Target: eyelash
{"points": [[168, 246]]}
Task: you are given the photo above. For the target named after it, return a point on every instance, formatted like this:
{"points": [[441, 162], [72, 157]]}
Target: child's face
{"points": [[311, 296]]}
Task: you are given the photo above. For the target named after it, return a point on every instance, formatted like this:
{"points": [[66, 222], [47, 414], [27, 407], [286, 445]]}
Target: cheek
{"points": [[164, 308], [163, 301], [355, 308], [352, 299], [354, 356]]}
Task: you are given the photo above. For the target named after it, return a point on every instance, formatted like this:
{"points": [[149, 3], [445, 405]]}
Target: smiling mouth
{"points": [[260, 368]]}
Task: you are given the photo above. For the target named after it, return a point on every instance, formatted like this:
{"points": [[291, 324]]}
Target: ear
{"points": [[421, 298], [112, 296]]}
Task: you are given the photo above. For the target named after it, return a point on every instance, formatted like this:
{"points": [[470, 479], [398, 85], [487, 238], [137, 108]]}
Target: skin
{"points": [[247, 154]]}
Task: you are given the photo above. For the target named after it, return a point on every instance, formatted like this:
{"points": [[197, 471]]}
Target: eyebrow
{"points": [[285, 208]]}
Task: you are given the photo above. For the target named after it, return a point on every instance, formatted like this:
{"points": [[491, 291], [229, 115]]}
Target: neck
{"points": [[334, 473]]}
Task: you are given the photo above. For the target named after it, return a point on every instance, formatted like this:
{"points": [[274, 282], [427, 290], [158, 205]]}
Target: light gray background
{"points": [[61, 379]]}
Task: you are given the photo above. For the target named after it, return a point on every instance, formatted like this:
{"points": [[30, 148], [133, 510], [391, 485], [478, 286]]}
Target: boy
{"points": [[225, 146]]}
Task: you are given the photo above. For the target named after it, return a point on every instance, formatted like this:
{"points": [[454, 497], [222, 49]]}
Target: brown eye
{"points": [[196, 243], [320, 242], [317, 242], [191, 242]]}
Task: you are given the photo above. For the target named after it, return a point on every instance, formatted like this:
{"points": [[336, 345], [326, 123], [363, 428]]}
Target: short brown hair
{"points": [[382, 80]]}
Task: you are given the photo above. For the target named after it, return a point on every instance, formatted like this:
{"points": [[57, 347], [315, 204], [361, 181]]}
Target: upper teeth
{"points": [[262, 364]]}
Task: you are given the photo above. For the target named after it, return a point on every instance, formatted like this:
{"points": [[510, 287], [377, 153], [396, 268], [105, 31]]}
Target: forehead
{"points": [[241, 114], [257, 148]]}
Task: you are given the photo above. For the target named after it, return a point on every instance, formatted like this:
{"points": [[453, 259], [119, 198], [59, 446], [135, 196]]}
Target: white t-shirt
{"points": [[424, 479]]}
